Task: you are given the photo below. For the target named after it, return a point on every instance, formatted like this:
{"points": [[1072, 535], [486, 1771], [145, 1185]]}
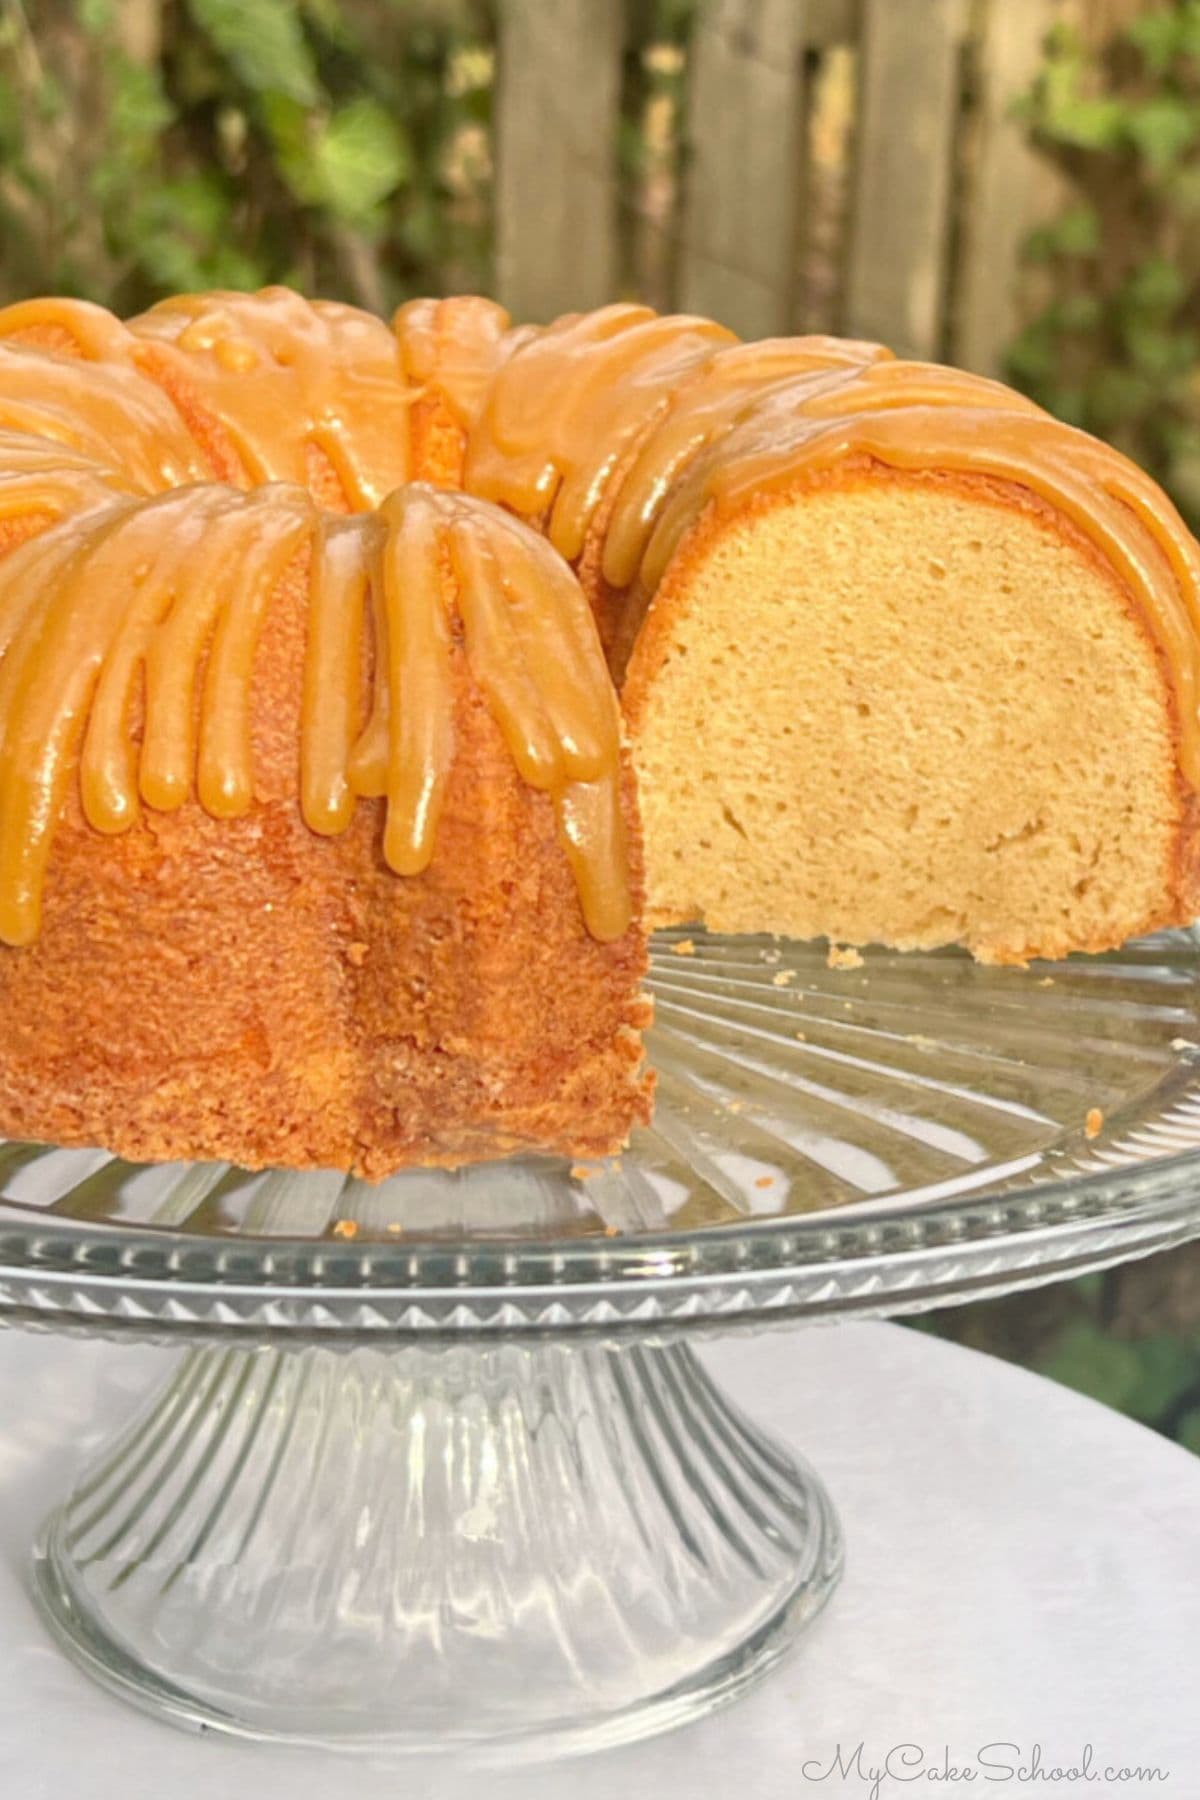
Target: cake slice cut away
{"points": [[909, 708], [903, 658]]}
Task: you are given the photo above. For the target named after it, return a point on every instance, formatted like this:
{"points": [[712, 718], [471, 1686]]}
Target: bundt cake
{"points": [[343, 857], [902, 658], [318, 834]]}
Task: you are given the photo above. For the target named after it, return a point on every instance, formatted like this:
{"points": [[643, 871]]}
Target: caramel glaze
{"points": [[129, 623], [919, 417], [675, 420], [456, 349], [532, 648], [169, 466], [567, 402]]}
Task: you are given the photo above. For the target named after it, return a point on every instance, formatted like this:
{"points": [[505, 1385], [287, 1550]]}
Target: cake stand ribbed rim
{"points": [[1110, 1217], [1042, 1181]]}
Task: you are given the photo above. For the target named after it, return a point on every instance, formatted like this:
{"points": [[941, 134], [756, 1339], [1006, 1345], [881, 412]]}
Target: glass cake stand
{"points": [[441, 1469]]}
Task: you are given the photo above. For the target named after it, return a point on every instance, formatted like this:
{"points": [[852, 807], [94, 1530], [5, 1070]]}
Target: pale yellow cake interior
{"points": [[902, 712]]}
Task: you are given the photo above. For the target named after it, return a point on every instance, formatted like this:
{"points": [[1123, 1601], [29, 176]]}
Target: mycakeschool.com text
{"points": [[878, 1772]]}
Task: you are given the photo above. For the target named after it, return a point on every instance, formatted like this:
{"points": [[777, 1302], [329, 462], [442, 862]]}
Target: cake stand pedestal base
{"points": [[519, 1550]]}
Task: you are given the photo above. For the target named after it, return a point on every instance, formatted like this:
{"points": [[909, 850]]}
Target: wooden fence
{"points": [[941, 190]]}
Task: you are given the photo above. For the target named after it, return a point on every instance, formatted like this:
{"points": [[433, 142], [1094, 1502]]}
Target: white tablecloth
{"points": [[1024, 1571]]}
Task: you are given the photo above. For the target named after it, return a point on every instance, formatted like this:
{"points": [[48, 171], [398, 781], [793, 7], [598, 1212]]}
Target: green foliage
{"points": [[152, 145], [1143, 1377], [263, 43], [1116, 345], [1116, 349]]}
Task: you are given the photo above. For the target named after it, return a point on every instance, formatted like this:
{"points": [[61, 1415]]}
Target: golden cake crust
{"points": [[244, 989]]}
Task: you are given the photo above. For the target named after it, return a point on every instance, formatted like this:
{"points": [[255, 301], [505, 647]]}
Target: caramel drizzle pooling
{"points": [[143, 596], [151, 592], [282, 374], [455, 348], [569, 401], [96, 410]]}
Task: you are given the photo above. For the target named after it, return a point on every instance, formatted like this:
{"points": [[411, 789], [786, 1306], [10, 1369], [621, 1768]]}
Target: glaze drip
{"points": [[569, 401], [278, 374], [282, 374], [130, 619], [456, 348], [165, 470]]}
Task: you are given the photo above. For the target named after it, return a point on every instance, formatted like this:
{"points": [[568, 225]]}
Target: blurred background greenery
{"points": [[348, 147]]}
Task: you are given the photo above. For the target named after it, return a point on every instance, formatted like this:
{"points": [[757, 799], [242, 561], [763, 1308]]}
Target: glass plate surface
{"points": [[832, 1133]]}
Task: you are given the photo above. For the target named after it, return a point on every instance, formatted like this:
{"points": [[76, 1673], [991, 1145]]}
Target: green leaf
{"points": [[291, 129], [1091, 124], [1163, 128], [359, 159], [180, 236], [1160, 36], [349, 163], [1167, 1368], [1063, 109], [1091, 1363], [1156, 286], [1158, 352], [198, 204], [96, 16], [139, 109], [1189, 1431], [1117, 394], [1077, 232], [1079, 313], [264, 43]]}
